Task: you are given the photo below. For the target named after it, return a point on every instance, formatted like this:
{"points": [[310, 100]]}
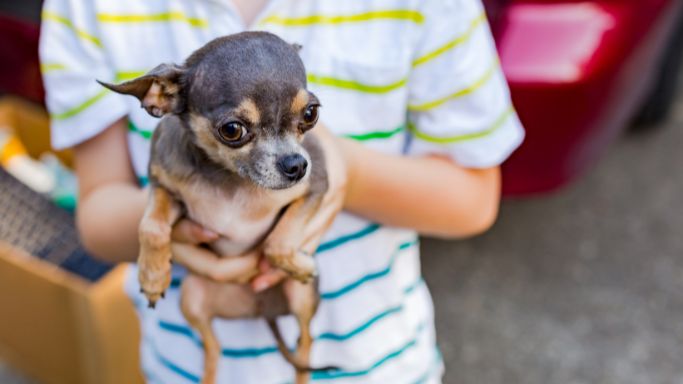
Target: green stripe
{"points": [[392, 14], [133, 128], [354, 85], [80, 108], [465, 137], [374, 135], [359, 137], [47, 15], [51, 67], [463, 92], [453, 43], [152, 18]]}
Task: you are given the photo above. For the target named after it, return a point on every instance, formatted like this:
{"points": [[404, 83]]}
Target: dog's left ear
{"points": [[158, 90]]}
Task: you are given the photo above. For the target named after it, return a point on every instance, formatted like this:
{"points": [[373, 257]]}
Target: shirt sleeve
{"points": [[72, 57], [459, 101]]}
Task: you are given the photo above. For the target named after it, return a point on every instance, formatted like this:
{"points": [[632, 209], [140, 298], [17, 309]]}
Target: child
{"points": [[414, 93]]}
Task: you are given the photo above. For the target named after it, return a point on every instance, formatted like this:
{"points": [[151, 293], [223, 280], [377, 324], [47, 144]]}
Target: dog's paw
{"points": [[154, 275], [298, 265]]}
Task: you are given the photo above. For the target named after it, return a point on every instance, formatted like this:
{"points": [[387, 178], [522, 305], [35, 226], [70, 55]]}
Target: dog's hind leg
{"points": [[303, 302], [195, 306]]}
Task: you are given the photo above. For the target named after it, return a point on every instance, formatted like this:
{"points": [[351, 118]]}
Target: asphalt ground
{"points": [[583, 286]]}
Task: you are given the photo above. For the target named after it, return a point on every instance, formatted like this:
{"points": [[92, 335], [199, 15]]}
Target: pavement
{"points": [[584, 286]]}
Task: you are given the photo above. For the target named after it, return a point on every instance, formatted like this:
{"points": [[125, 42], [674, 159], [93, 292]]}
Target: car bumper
{"points": [[577, 72]]}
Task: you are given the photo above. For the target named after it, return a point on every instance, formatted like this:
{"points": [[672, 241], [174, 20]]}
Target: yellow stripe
{"points": [[463, 92], [465, 137], [152, 18], [353, 85], [66, 22], [81, 107], [453, 43], [129, 75], [51, 67], [391, 14]]}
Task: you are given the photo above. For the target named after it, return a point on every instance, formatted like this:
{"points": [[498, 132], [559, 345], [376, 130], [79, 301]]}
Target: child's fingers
{"points": [[206, 263], [187, 231], [267, 277]]}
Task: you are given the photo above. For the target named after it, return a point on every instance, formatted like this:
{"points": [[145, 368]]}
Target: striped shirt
{"points": [[405, 77]]}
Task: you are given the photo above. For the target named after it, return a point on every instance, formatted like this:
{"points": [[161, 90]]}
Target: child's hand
{"points": [[187, 237]]}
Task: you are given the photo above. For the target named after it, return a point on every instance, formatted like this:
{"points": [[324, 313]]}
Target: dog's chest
{"points": [[242, 216]]}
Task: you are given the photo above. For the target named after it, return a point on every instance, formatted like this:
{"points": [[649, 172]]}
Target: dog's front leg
{"points": [[283, 245], [154, 261]]}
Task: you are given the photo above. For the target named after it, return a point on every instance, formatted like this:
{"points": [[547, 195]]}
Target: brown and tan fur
{"points": [[258, 192]]}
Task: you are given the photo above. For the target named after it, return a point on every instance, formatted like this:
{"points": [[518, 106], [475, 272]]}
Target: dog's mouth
{"points": [[275, 180]]}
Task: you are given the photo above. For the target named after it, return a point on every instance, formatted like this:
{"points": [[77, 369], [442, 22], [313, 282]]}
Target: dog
{"points": [[232, 153]]}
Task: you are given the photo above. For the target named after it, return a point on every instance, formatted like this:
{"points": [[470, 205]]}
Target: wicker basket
{"points": [[31, 222]]}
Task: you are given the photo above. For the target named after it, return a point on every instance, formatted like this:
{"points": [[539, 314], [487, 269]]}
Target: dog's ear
{"points": [[159, 91]]}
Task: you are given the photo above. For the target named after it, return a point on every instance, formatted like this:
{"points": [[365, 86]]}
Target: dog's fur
{"points": [[237, 188]]}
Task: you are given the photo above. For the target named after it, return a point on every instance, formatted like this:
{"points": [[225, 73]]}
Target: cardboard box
{"points": [[55, 326], [59, 328]]}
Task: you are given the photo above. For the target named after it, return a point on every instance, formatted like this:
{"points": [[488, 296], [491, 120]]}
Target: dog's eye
{"points": [[232, 131], [311, 114]]}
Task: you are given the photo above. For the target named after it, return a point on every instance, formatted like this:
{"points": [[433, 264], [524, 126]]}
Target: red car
{"points": [[579, 71]]}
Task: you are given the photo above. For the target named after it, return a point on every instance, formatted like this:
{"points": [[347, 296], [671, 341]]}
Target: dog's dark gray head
{"points": [[244, 98]]}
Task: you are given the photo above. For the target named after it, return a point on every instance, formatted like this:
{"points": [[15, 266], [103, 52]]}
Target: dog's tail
{"points": [[301, 366]]}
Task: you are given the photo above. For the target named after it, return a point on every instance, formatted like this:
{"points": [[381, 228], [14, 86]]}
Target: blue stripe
{"points": [[151, 378], [409, 289], [321, 375], [227, 352], [369, 277], [256, 352], [177, 281], [368, 324], [315, 375], [432, 367], [170, 365], [326, 246]]}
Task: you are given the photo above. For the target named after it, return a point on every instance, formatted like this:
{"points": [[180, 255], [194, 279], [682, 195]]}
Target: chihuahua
{"points": [[232, 154]]}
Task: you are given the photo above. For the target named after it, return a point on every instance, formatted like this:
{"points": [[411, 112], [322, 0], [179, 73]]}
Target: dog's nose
{"points": [[293, 166]]}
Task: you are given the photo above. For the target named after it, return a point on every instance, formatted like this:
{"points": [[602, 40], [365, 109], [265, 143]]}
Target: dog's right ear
{"points": [[158, 90]]}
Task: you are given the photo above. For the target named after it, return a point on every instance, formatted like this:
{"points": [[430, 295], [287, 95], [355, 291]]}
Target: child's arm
{"points": [[110, 202], [430, 194]]}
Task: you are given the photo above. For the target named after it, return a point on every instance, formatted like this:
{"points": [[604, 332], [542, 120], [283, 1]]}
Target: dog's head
{"points": [[244, 98]]}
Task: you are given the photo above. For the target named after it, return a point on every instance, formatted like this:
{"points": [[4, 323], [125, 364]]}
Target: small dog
{"points": [[231, 153]]}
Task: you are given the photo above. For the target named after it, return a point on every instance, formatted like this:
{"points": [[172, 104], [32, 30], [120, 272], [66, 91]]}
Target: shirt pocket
{"points": [[360, 97]]}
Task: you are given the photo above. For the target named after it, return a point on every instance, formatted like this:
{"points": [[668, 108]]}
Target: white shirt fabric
{"points": [[406, 77]]}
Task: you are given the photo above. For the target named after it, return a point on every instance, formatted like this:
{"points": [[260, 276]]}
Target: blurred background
{"points": [[578, 282]]}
